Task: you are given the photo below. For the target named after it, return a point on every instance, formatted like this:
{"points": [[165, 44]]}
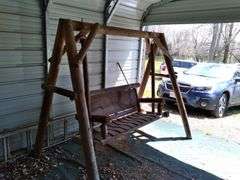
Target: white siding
{"points": [[80, 10], [21, 62], [121, 49]]}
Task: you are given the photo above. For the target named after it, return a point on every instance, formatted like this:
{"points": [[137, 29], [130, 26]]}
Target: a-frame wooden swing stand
{"points": [[66, 41]]}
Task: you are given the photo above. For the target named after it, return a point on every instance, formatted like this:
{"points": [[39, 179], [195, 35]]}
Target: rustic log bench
{"points": [[118, 110]]}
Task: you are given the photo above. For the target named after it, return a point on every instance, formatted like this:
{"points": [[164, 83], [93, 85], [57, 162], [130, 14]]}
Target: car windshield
{"points": [[183, 64], [212, 71]]}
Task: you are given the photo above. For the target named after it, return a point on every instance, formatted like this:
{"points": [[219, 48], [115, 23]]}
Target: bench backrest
{"points": [[120, 100]]}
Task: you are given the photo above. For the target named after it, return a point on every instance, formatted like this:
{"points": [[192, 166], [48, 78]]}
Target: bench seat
{"points": [[118, 110]]}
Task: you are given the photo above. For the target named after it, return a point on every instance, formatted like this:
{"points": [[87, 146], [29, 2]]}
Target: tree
{"points": [[216, 36], [227, 41], [200, 40]]}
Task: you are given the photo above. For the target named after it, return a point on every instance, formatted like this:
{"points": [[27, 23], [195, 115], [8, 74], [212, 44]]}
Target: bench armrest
{"points": [[159, 102], [101, 118], [150, 100]]}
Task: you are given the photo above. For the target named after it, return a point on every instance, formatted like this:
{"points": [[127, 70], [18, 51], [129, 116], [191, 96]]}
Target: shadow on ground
{"points": [[126, 158]]}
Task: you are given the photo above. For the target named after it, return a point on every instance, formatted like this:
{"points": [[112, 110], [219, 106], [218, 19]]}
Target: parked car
{"points": [[179, 66], [209, 86]]}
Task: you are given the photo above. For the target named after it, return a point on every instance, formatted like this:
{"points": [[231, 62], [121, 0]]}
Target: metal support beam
{"points": [[140, 57], [110, 9], [44, 5]]}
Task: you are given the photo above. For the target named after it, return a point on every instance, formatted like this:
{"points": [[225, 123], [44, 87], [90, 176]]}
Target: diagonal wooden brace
{"points": [[87, 43], [161, 43]]}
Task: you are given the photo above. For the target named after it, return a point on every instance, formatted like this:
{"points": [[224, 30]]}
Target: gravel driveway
{"points": [[227, 127]]}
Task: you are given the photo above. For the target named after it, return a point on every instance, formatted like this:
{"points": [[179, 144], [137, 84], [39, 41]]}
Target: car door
{"points": [[236, 92]]}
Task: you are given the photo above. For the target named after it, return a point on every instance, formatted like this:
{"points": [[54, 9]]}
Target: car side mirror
{"points": [[237, 79]]}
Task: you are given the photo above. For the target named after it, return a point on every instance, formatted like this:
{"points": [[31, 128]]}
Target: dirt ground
{"points": [[66, 161], [227, 127]]}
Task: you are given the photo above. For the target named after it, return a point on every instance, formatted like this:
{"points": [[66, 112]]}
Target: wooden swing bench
{"points": [[118, 110]]}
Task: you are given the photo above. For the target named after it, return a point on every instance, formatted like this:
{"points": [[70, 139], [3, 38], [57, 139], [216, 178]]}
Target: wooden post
{"points": [[147, 71], [87, 42], [77, 77], [48, 95], [161, 43], [86, 82], [145, 79], [152, 61]]}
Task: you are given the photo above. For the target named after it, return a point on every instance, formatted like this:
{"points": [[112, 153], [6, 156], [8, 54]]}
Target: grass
{"points": [[158, 62]]}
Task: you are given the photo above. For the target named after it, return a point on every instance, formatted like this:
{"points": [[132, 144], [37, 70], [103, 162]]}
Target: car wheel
{"points": [[221, 106]]}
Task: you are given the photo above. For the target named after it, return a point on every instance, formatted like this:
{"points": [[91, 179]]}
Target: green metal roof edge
{"points": [[157, 4]]}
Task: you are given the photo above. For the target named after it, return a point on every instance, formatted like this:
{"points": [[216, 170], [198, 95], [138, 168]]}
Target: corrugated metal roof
{"points": [[193, 11]]}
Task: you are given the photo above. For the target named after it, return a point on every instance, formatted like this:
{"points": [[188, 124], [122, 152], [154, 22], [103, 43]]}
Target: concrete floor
{"points": [[211, 154]]}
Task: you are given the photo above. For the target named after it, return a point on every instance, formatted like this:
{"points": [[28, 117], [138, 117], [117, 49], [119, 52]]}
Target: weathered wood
{"points": [[87, 43], [116, 31], [152, 60], [149, 100], [77, 77], [118, 110], [86, 80], [144, 79], [146, 73], [60, 91], [48, 95], [77, 38], [161, 43], [163, 75], [124, 108], [127, 125]]}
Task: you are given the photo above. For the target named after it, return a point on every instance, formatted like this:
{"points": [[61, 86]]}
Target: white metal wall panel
{"points": [[21, 63], [121, 49], [80, 10], [192, 11], [125, 50]]}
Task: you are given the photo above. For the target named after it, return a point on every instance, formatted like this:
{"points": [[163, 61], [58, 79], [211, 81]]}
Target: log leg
{"points": [[161, 43], [48, 95], [77, 77], [152, 60], [104, 130], [144, 80]]}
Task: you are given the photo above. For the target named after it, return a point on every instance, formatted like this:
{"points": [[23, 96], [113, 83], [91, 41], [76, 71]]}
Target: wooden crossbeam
{"points": [[115, 31]]}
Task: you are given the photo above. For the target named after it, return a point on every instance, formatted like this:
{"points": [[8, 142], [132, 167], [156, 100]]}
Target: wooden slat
{"points": [[139, 118], [134, 119], [124, 125], [116, 127]]}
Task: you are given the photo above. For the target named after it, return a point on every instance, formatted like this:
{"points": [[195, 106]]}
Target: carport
{"points": [[27, 34]]}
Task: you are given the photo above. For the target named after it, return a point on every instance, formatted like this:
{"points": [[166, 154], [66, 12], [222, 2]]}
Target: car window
{"points": [[182, 64], [212, 71]]}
